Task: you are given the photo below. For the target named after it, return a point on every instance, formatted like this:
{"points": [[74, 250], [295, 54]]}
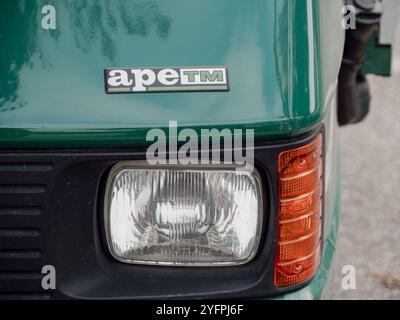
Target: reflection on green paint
{"points": [[52, 81]]}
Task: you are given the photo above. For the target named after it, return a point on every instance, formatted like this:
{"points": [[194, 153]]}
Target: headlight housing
{"points": [[183, 216]]}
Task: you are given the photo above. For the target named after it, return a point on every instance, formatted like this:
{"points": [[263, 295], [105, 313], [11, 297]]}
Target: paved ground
{"points": [[369, 238]]}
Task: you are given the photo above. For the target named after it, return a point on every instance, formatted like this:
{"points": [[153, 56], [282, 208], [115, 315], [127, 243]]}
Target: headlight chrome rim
{"points": [[143, 165]]}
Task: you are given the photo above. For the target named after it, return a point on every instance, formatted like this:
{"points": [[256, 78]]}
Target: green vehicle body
{"points": [[283, 58]]}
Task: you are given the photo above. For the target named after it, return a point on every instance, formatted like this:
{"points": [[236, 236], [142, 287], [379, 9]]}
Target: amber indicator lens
{"points": [[300, 214]]}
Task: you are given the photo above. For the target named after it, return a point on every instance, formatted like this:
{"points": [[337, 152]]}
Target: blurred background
{"points": [[369, 235]]}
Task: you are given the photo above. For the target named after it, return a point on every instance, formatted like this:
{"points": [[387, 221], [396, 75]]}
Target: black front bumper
{"points": [[51, 214]]}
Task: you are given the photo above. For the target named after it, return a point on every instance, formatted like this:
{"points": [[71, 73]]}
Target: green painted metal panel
{"points": [[51, 81], [378, 58], [283, 58]]}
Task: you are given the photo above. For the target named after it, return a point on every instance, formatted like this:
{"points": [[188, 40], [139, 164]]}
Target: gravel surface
{"points": [[369, 236]]}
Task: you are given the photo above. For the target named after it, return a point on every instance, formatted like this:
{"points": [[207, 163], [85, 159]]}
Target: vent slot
{"points": [[17, 233], [34, 167], [22, 189], [20, 211], [24, 200]]}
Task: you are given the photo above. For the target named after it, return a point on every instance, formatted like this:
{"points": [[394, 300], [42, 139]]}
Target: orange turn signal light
{"points": [[300, 213]]}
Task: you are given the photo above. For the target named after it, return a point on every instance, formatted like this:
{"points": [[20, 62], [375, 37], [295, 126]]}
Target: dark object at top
{"points": [[365, 4], [367, 11]]}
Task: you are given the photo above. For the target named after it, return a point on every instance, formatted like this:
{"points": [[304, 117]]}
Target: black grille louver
{"points": [[23, 217]]}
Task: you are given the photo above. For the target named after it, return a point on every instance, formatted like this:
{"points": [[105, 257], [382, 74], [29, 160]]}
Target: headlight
{"points": [[182, 216]]}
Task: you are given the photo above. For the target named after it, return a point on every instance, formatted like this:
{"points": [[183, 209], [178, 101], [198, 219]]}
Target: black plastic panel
{"points": [[51, 213]]}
